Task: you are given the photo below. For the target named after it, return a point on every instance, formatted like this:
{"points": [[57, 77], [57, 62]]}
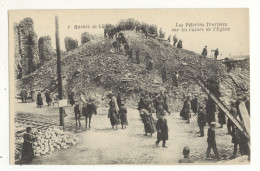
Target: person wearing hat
{"points": [[27, 149], [113, 110], [201, 120], [90, 110], [123, 115], [212, 141], [162, 130], [186, 153]]}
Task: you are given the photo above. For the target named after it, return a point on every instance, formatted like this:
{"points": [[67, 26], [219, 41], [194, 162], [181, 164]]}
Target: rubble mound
{"points": [[96, 68]]}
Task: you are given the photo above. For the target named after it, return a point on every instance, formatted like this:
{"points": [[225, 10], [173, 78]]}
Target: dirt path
{"points": [[102, 145]]}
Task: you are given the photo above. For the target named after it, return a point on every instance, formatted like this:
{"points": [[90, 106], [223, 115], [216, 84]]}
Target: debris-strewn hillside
{"points": [[96, 60]]}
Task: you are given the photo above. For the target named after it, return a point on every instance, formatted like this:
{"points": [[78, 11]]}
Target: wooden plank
{"points": [[223, 107], [245, 116]]}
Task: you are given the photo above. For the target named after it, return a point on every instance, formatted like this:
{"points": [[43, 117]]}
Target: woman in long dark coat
{"points": [[148, 121], [39, 100], [221, 118], [113, 111], [162, 131], [27, 150], [48, 97]]}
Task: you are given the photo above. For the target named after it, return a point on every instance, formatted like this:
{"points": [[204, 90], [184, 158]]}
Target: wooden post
{"points": [[59, 69], [224, 108]]}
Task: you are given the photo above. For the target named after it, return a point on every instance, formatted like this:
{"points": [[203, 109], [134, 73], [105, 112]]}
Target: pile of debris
{"points": [[47, 141], [97, 66]]}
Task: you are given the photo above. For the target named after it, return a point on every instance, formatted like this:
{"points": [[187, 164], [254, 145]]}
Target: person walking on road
{"points": [[148, 121], [123, 115], [113, 110], [201, 120], [24, 95], [212, 141], [162, 131], [77, 115], [39, 100], [48, 97]]}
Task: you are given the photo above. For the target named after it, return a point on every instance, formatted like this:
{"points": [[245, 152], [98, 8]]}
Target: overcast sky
{"points": [[234, 42]]}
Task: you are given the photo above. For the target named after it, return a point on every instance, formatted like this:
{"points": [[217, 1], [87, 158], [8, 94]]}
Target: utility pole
{"points": [[59, 69]]}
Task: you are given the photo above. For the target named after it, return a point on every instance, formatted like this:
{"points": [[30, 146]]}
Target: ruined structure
{"points": [[70, 43], [85, 37], [46, 52], [26, 48]]}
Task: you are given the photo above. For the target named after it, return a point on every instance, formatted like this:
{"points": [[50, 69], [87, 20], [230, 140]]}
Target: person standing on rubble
{"points": [[137, 53], [216, 54], [149, 66], [204, 52], [175, 79], [175, 40], [164, 74], [130, 55], [212, 141], [179, 45], [113, 110]]}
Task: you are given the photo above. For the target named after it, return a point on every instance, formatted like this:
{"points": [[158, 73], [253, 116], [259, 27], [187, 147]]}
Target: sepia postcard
{"points": [[129, 86]]}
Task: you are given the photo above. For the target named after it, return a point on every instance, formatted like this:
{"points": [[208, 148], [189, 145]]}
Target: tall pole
{"points": [[59, 69]]}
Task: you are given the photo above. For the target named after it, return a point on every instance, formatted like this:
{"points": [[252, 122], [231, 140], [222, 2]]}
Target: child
{"points": [[186, 153], [123, 116], [212, 141]]}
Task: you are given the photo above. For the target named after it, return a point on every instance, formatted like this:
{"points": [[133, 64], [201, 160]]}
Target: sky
{"points": [[234, 42]]}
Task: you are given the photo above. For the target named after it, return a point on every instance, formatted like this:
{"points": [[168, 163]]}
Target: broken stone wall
{"points": [[46, 52], [70, 43], [26, 46], [85, 37]]}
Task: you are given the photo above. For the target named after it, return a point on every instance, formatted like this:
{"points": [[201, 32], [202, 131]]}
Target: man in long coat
{"points": [[162, 131], [210, 110]]}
